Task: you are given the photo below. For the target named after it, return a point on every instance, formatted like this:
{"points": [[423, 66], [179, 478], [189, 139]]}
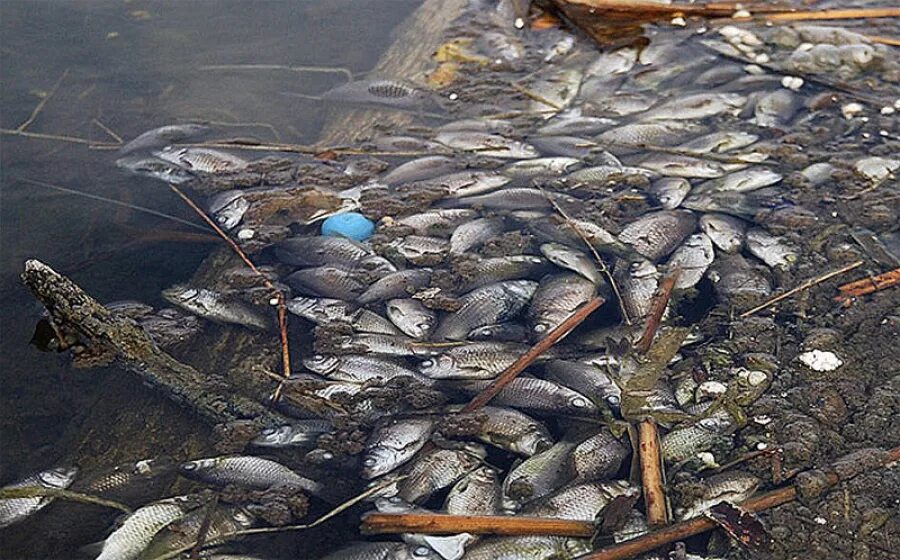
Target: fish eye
{"points": [[269, 431], [540, 328], [578, 402], [369, 462], [189, 466], [427, 363], [424, 326], [422, 551], [614, 400]]}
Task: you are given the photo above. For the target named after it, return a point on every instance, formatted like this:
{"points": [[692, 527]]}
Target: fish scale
{"points": [[129, 541], [249, 472], [489, 304], [657, 234], [327, 281], [477, 493], [582, 502], [221, 523], [512, 430], [320, 250], [555, 299], [13, 510], [437, 470], [498, 269], [536, 394]]}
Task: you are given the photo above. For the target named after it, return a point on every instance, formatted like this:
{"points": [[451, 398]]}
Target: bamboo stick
{"points": [[444, 524], [529, 357], [651, 473]]}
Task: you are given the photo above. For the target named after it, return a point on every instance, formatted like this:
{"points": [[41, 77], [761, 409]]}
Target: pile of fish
{"points": [[610, 171]]}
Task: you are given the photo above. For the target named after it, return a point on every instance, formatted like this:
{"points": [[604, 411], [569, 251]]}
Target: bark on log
{"points": [[134, 349]]}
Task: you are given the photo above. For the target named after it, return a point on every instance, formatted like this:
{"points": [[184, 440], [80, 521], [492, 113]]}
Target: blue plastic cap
{"points": [[351, 225]]}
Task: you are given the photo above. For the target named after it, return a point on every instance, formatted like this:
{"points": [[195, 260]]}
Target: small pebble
{"points": [[851, 109], [793, 83], [819, 360], [678, 21], [519, 23], [888, 110], [245, 234], [453, 96], [741, 14]]}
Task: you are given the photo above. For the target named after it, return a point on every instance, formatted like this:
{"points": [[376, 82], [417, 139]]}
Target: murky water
{"points": [[737, 161]]}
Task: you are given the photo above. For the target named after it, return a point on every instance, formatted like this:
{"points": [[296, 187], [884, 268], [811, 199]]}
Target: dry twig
{"points": [[40, 106], [868, 285], [652, 474], [804, 286], [377, 523], [654, 318]]}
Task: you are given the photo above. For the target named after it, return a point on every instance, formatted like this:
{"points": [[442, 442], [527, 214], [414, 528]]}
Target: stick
{"points": [[663, 295], [528, 358], [697, 525], [204, 527], [804, 286], [42, 102], [651, 473], [376, 523], [860, 13], [60, 138], [869, 285], [62, 494], [894, 42], [279, 297], [108, 130]]}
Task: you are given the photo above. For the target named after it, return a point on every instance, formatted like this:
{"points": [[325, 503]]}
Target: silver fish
{"points": [[670, 191], [324, 311], [382, 551], [511, 430], [249, 472], [420, 169], [391, 143], [481, 124], [490, 145], [574, 123], [393, 443], [556, 298], [400, 284], [216, 307], [137, 531], [321, 250], [477, 493], [537, 476], [202, 160], [776, 109], [228, 208], [383, 344], [720, 142], [155, 168], [379, 92], [737, 283], [772, 250], [13, 510], [474, 233], [554, 91], [421, 249], [300, 433], [411, 317], [564, 146], [575, 232], [466, 183], [438, 469], [587, 379], [499, 332], [696, 106], [535, 547], [524, 198], [726, 232], [436, 222], [542, 167], [497, 269], [693, 257], [584, 501], [670, 165], [489, 304], [622, 104], [637, 281], [451, 547], [731, 486], [534, 394], [328, 281], [598, 457], [474, 360], [163, 136], [571, 259], [741, 181], [357, 369], [625, 138], [657, 234], [219, 524]]}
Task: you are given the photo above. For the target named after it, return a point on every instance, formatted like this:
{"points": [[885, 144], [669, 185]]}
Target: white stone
{"points": [[741, 14], [273, 301], [820, 360], [678, 22], [453, 96], [851, 109], [245, 234], [762, 420], [820, 520], [792, 82], [519, 23], [761, 58], [710, 389]]}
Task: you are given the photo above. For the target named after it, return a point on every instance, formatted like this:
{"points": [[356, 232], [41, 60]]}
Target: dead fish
{"points": [[474, 233], [670, 191], [202, 160], [590, 380], [478, 124], [637, 281], [382, 551], [379, 92], [720, 142], [573, 122], [741, 181], [421, 249], [534, 547], [696, 106], [556, 299], [321, 250], [137, 531], [612, 63], [575, 232], [622, 104], [776, 109], [384, 344], [510, 429], [670, 165], [772, 250], [163, 136], [420, 169], [228, 208], [324, 311], [737, 283], [500, 332], [583, 501], [534, 394], [657, 234], [411, 317], [731, 486], [693, 257], [497, 269], [217, 525], [625, 138], [726, 232], [358, 369], [437, 222], [537, 476], [683, 443], [744, 205], [524, 198], [598, 457], [328, 281], [439, 469], [393, 443], [564, 146], [155, 168], [297, 434], [251, 472], [215, 307], [391, 143], [477, 493], [490, 145], [466, 183], [474, 360], [605, 174], [494, 303], [400, 284], [451, 547], [541, 167], [554, 91], [14, 510], [571, 259]]}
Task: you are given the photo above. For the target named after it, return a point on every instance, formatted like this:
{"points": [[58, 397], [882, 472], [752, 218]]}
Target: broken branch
{"points": [[654, 318], [529, 357], [868, 285], [651, 473], [443, 524], [802, 287]]}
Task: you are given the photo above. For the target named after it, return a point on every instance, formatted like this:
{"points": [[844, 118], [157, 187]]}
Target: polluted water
{"points": [[657, 230]]}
